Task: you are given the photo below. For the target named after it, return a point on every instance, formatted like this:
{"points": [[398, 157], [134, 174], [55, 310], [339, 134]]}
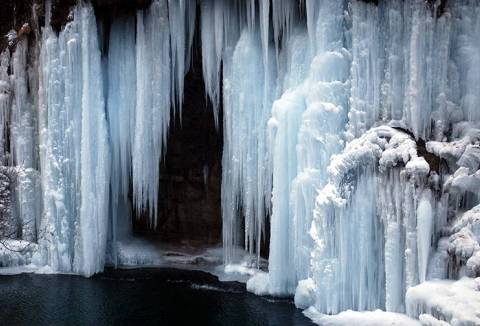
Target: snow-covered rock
{"points": [[361, 318], [454, 302]]}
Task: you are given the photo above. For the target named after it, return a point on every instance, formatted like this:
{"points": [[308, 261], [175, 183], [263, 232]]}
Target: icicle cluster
{"points": [[397, 63], [74, 149]]}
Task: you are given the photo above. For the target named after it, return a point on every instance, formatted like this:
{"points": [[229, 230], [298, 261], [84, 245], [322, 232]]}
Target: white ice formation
{"points": [[351, 129]]}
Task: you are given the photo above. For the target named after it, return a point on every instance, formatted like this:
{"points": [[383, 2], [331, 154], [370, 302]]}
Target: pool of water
{"points": [[138, 297]]}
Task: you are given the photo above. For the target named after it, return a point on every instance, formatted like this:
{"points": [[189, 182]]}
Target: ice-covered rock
{"points": [[465, 241], [305, 294], [454, 302]]}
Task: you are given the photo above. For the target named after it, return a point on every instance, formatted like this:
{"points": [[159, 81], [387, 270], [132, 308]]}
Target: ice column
{"points": [[74, 147], [424, 233], [306, 129]]}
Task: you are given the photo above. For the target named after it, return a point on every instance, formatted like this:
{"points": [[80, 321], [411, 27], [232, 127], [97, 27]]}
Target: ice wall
{"points": [[391, 242], [380, 218]]}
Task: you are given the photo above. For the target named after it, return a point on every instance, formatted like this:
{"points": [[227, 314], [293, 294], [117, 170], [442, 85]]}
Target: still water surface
{"points": [[138, 297]]}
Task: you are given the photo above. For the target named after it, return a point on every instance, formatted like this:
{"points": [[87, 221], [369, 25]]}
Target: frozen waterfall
{"points": [[351, 141]]}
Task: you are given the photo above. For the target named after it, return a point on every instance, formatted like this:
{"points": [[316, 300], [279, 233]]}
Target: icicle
{"points": [[264, 8], [212, 33], [22, 115], [5, 100], [181, 15], [424, 233], [312, 12], [391, 83], [251, 13], [365, 99], [466, 45], [245, 174], [283, 14], [121, 116], [191, 20], [152, 116]]}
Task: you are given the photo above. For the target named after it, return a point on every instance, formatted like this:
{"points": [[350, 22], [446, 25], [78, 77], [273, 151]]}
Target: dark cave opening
{"points": [[189, 206]]}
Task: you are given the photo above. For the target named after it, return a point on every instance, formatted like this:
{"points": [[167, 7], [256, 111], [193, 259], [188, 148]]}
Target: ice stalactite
{"points": [[5, 99], [22, 144], [245, 184], [182, 18], [152, 112], [74, 148], [147, 64], [264, 21], [284, 14], [466, 52], [250, 84], [399, 74], [212, 34], [121, 119]]}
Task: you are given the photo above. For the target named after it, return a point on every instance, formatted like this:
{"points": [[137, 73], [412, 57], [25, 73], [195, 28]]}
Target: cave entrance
{"points": [[189, 208]]}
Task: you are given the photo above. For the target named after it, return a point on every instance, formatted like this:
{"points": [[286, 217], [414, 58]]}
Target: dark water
{"points": [[137, 297]]}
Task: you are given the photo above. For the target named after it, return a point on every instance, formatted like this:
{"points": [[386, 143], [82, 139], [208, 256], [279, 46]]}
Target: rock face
{"points": [[15, 13]]}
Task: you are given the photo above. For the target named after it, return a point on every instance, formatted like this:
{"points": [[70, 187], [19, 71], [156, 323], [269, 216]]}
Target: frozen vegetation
{"points": [[351, 129]]}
